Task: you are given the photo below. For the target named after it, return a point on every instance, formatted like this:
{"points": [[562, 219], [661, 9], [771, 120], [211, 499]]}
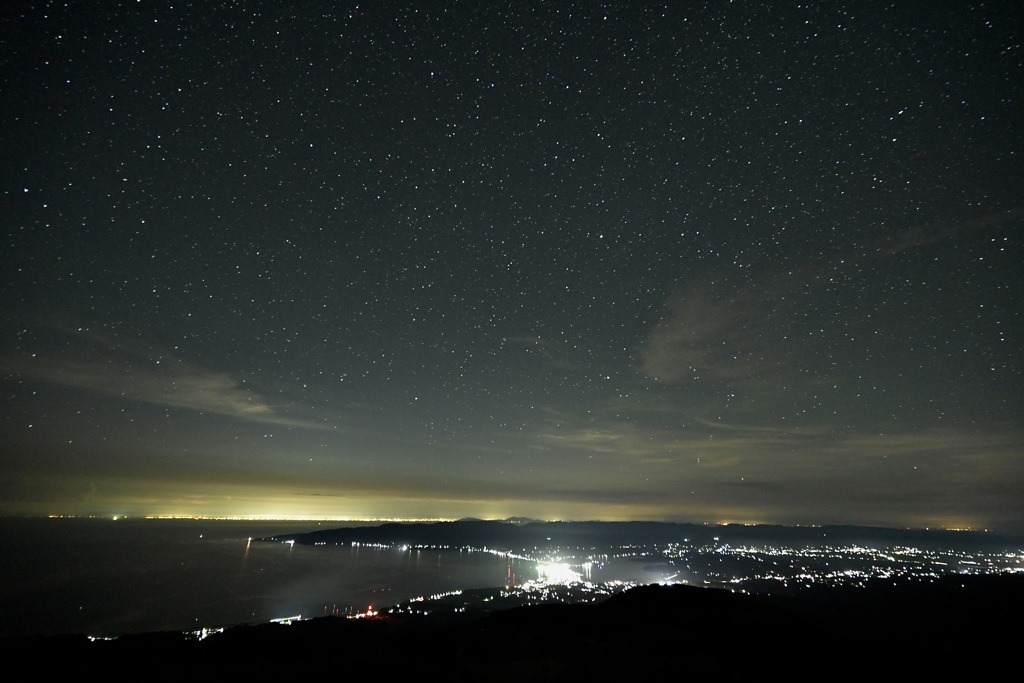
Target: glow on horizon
{"points": [[256, 518], [951, 523]]}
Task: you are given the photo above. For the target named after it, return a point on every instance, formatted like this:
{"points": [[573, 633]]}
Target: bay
{"points": [[104, 577]]}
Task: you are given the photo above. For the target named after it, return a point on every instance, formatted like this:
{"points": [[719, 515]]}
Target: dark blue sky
{"points": [[437, 259]]}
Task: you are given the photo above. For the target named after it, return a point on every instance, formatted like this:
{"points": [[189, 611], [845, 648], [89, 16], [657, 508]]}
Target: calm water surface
{"points": [[105, 577]]}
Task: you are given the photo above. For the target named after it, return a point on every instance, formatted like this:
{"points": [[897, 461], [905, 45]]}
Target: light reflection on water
{"points": [[103, 577], [328, 579]]}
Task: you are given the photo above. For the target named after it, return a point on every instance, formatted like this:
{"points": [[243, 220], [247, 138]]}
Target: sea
{"points": [[105, 577]]}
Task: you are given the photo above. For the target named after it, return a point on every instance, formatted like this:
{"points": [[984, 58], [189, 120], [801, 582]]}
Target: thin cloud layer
{"points": [[105, 365], [722, 330]]}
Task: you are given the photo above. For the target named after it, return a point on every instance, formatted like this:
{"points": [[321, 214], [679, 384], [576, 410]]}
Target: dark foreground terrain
{"points": [[962, 626]]}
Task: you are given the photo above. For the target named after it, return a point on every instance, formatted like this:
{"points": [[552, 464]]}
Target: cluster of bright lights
{"points": [[551, 573], [287, 621], [437, 596], [205, 633]]}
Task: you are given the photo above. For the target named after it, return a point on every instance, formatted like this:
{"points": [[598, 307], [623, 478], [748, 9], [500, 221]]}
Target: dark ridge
{"points": [[518, 536], [962, 627]]}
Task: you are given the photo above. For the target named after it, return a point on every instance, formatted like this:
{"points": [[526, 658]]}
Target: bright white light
{"points": [[556, 573]]}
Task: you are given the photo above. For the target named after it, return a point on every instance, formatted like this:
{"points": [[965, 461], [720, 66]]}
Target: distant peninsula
{"points": [[520, 535]]}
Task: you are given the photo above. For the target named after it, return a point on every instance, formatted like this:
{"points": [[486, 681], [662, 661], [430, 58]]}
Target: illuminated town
{"points": [[577, 575]]}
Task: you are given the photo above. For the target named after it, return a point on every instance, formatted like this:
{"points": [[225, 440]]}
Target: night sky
{"points": [[748, 262]]}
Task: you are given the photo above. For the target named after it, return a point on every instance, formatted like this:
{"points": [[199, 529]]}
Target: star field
{"points": [[723, 261]]}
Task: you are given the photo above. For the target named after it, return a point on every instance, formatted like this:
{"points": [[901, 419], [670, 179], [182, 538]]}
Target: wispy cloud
{"points": [[108, 365], [774, 450], [940, 231], [721, 329], [937, 475]]}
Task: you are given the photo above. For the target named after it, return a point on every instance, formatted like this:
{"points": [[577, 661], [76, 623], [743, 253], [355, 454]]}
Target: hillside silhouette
{"points": [[965, 624]]}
